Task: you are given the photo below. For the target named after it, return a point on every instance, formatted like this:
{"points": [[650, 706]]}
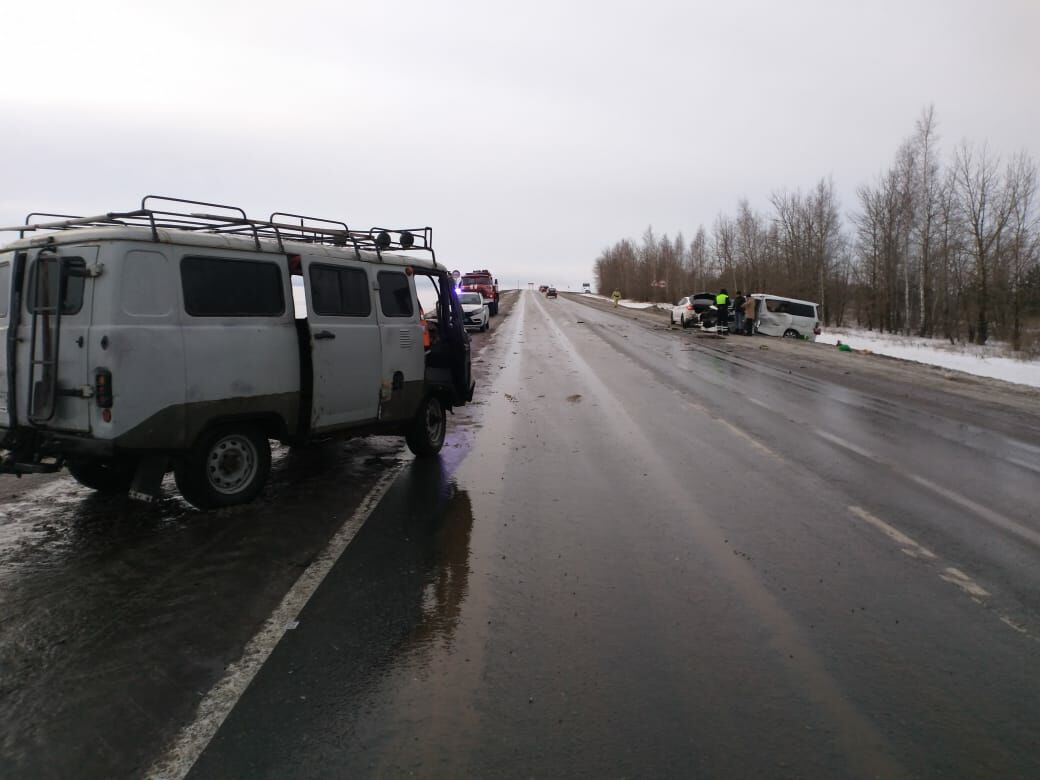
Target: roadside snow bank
{"points": [[985, 361]]}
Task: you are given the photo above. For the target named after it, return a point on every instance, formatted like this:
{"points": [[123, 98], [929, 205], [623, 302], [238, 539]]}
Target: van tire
{"points": [[227, 466], [103, 475], [791, 333], [425, 436]]}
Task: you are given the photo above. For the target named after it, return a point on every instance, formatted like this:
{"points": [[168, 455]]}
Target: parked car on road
{"points": [[475, 314]]}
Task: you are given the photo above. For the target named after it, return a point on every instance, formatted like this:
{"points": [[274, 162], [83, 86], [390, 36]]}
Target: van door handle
{"points": [[324, 334]]}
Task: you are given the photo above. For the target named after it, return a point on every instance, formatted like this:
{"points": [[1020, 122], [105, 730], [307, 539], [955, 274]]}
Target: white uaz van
{"points": [[789, 317], [161, 337]]}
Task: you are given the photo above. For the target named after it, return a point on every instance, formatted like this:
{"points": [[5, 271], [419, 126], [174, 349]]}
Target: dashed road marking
{"points": [[950, 574], [955, 576], [995, 518], [907, 545]]}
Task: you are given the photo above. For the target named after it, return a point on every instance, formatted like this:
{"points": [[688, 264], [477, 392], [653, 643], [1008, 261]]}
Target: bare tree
{"points": [[985, 207]]}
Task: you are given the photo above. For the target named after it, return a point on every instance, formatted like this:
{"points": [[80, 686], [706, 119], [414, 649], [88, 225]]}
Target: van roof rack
{"points": [[168, 213]]}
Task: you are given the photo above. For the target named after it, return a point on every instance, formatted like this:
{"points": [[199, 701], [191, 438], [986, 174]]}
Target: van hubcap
{"points": [[231, 464], [434, 421]]}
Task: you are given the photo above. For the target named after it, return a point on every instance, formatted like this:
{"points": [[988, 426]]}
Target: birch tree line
{"points": [[937, 245]]}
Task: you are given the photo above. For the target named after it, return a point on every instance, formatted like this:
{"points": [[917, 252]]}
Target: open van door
{"points": [[53, 383], [345, 343]]}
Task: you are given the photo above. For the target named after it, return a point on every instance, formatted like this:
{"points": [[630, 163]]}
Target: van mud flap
{"points": [[147, 484]]}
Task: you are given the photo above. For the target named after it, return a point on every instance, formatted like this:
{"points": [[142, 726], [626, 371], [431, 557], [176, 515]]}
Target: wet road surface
{"points": [[644, 552], [659, 558]]}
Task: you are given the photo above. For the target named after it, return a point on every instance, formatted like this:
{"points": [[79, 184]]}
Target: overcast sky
{"points": [[529, 135]]}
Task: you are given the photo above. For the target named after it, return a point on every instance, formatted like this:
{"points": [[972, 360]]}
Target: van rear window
{"points": [[44, 278], [219, 287]]}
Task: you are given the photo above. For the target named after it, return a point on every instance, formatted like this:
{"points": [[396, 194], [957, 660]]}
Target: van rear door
{"points": [[52, 370], [345, 346]]}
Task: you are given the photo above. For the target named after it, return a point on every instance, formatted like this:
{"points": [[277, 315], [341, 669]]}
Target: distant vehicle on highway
{"points": [[475, 314], [586, 287], [786, 317], [550, 293], [544, 288]]}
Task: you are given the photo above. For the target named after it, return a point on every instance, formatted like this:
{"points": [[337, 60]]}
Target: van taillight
{"points": [[689, 307], [103, 388]]}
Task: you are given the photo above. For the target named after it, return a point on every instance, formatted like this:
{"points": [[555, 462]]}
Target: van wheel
{"points": [[227, 466], [790, 333], [106, 475], [425, 437]]}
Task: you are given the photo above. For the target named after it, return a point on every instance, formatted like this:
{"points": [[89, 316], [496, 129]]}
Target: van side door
{"points": [[403, 351], [772, 321], [345, 346]]}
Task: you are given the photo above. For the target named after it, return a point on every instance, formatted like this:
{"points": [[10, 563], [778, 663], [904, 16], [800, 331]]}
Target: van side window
{"points": [[340, 292], [43, 283], [395, 296], [801, 310], [218, 287]]}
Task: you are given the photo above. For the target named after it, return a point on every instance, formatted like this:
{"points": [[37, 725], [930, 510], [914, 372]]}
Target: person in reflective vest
{"points": [[722, 311]]}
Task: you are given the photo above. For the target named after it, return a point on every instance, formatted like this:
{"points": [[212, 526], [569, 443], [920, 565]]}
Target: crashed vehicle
{"points": [[695, 311], [133, 343]]}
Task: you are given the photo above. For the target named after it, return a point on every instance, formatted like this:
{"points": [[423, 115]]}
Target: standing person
{"points": [[616, 296], [738, 312], [722, 312], [749, 316]]}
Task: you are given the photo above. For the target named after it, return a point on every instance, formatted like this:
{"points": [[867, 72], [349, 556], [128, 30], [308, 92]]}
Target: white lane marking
{"points": [[848, 445], [964, 582], [997, 519], [748, 438], [178, 760], [1025, 465], [950, 574], [907, 545], [756, 402]]}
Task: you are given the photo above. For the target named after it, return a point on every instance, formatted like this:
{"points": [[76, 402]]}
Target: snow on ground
{"points": [[629, 304], [988, 361]]}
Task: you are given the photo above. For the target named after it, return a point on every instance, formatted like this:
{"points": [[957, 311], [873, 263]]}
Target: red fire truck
{"points": [[483, 283]]}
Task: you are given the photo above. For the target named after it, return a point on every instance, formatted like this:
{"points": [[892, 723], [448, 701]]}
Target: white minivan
{"points": [[166, 337], [787, 317]]}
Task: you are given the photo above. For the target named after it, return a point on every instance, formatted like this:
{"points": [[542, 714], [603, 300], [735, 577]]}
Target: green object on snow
{"points": [[844, 348]]}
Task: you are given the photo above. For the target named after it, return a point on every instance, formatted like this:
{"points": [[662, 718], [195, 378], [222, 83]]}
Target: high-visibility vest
{"points": [[721, 299], [426, 340]]}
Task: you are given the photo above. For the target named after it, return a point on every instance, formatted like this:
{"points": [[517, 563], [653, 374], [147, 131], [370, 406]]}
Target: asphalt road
{"points": [[644, 552]]}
